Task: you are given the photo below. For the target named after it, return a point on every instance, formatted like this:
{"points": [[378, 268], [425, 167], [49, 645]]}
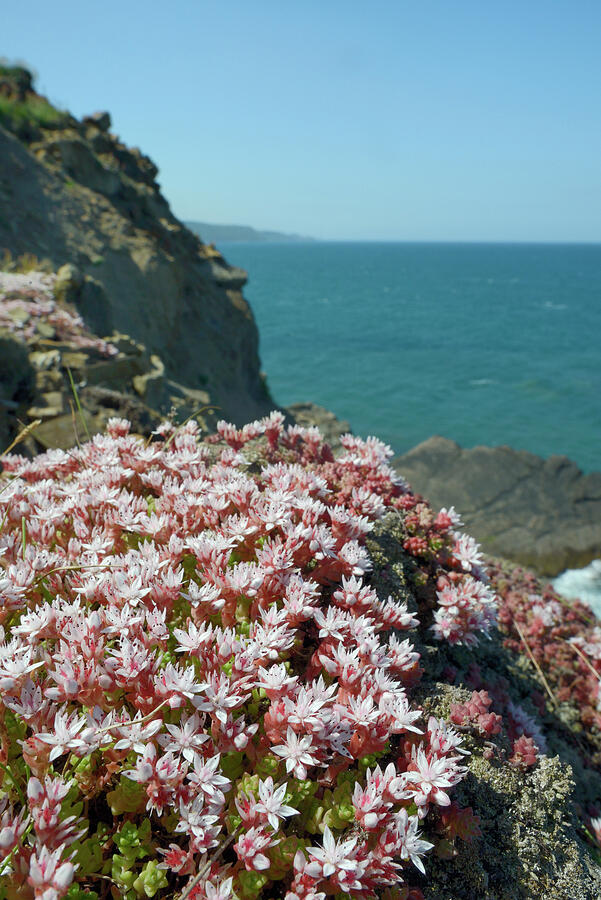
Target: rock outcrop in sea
{"points": [[72, 193], [542, 513]]}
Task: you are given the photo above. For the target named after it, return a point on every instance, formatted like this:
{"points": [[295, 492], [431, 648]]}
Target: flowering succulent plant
{"points": [[202, 695], [561, 638], [28, 300]]}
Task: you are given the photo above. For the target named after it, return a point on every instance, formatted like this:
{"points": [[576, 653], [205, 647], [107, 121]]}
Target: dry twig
{"points": [[22, 435], [536, 665]]}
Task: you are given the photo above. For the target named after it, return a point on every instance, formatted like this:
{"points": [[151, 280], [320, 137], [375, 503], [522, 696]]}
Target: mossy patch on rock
{"points": [[529, 847]]}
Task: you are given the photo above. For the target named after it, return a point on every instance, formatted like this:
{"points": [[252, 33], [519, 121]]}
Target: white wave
{"points": [[550, 305], [479, 381], [585, 584]]}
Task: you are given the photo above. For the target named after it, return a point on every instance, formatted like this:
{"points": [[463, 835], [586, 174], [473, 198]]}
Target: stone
{"points": [[65, 431], [181, 392], [100, 120], [544, 514], [17, 386], [151, 386], [69, 280], [126, 345], [45, 359], [106, 386], [114, 373], [48, 380], [74, 359], [19, 315], [78, 160], [53, 406], [231, 277], [104, 403], [100, 142], [44, 329], [53, 398], [14, 364], [94, 307], [192, 403]]}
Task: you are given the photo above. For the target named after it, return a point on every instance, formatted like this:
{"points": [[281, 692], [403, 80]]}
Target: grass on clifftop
{"points": [[33, 110], [23, 264]]}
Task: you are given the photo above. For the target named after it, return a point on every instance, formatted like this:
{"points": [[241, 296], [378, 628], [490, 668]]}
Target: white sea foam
{"points": [[585, 584]]}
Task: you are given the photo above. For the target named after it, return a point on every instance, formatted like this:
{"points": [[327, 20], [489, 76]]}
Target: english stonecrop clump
{"points": [[202, 695]]}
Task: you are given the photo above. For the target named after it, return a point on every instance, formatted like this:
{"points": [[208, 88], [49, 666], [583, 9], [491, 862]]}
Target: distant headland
{"points": [[213, 234]]}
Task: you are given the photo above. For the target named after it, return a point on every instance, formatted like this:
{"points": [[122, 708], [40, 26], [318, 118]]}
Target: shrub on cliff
{"points": [[20, 104]]}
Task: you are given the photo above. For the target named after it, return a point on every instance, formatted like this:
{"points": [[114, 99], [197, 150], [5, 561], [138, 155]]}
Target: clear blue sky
{"points": [[394, 119]]}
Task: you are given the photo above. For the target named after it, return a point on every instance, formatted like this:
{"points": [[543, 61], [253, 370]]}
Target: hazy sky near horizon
{"points": [[392, 120]]}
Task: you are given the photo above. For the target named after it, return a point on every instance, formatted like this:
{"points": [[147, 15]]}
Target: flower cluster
{"points": [[562, 637], [524, 753], [454, 823], [466, 605], [477, 712], [197, 679], [489, 712], [27, 301]]}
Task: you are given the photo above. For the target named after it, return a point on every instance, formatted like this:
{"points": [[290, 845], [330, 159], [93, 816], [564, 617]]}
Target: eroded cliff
{"points": [[72, 192]]}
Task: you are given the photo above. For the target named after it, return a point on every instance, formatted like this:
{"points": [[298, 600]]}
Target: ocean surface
{"points": [[481, 343]]}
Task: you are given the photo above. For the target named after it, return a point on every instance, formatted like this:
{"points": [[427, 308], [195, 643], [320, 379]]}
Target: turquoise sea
{"points": [[482, 343]]}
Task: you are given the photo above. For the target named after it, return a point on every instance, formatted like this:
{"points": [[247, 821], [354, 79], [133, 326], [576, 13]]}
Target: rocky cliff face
{"points": [[71, 192], [64, 383]]}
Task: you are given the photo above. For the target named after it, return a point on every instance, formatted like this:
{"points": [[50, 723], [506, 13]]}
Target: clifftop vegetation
{"points": [[22, 109]]}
